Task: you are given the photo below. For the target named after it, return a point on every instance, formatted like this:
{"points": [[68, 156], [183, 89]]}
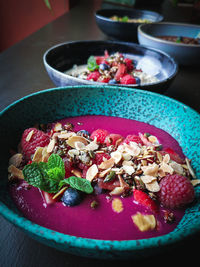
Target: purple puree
{"points": [[101, 222]]}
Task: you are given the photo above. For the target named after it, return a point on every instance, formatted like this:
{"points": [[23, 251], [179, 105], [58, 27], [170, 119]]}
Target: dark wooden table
{"points": [[22, 73]]}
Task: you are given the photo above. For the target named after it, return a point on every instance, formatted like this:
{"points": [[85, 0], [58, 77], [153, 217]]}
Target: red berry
{"points": [[176, 191], [85, 169], [129, 64], [145, 200], [37, 139], [111, 139], [128, 79], [133, 138], [100, 135], [120, 72], [68, 167], [93, 76], [99, 158], [108, 185], [103, 80], [173, 155]]}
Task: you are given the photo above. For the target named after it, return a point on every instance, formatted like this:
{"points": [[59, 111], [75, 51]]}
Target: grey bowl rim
{"points": [[142, 32]]}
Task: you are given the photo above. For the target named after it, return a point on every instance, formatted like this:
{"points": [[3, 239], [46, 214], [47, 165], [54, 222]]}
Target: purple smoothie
{"points": [[102, 222]]}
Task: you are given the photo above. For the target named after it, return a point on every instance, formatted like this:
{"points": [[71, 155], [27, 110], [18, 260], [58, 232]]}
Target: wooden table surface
{"points": [[22, 73]]}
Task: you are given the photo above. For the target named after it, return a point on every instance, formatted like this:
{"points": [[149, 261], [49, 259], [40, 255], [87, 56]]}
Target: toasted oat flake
{"points": [[166, 168], [153, 186], [117, 205], [129, 169], [92, 172], [116, 156], [30, 134], [147, 179], [144, 222], [151, 169], [176, 167]]}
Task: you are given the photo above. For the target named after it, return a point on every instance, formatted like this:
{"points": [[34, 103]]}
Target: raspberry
{"points": [[100, 135], [99, 158], [133, 138], [120, 72], [103, 80], [37, 139], [108, 185], [129, 64], [93, 76], [128, 79], [111, 139], [145, 200], [176, 191]]}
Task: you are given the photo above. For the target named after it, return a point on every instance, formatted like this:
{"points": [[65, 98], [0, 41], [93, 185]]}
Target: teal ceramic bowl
{"points": [[49, 105]]}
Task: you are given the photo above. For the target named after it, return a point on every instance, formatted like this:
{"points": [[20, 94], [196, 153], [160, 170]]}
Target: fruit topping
{"points": [[176, 191], [71, 197], [99, 135], [145, 200]]}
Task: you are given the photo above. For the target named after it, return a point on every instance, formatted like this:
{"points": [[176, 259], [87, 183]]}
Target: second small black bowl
{"points": [[126, 31], [60, 58]]}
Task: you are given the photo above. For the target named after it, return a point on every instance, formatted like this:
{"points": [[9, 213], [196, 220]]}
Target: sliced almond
{"points": [[15, 172], [144, 222], [58, 127], [153, 139], [103, 173], [45, 154], [129, 169], [66, 135], [166, 168], [159, 156], [195, 182], [30, 134], [151, 169], [92, 146], [146, 179], [79, 145], [73, 152], [107, 164], [116, 156], [190, 168], [16, 159], [166, 158], [92, 172], [177, 167], [153, 186], [37, 157], [73, 139], [51, 145], [117, 191], [77, 173], [117, 205]]}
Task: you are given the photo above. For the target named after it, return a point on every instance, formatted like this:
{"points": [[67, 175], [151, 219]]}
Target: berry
{"points": [[113, 81], [111, 139], [128, 79], [104, 66], [71, 197], [108, 185], [145, 200], [129, 64], [83, 133], [137, 80], [120, 72], [100, 135], [99, 158], [93, 76], [68, 167], [103, 80], [176, 191], [133, 138], [37, 139]]}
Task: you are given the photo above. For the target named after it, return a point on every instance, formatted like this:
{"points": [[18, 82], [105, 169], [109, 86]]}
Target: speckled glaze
{"points": [[49, 105], [64, 56], [184, 54]]}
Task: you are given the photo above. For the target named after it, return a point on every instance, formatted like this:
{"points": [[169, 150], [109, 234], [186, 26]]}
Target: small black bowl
{"points": [[63, 57], [126, 31]]}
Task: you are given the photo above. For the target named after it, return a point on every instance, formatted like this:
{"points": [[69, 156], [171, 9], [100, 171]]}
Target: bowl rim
{"points": [[142, 32], [62, 74], [87, 243], [159, 16]]}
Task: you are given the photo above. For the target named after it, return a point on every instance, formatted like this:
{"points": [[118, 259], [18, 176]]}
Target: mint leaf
{"points": [[45, 175], [55, 162], [78, 183], [92, 64], [36, 175]]}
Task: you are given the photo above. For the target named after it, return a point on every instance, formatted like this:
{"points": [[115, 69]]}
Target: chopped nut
{"points": [[30, 134], [117, 205], [107, 164], [144, 222], [117, 190], [94, 204], [15, 172], [16, 160], [92, 172]]}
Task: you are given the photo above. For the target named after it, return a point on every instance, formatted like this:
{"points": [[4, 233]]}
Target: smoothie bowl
{"points": [[90, 172]]}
